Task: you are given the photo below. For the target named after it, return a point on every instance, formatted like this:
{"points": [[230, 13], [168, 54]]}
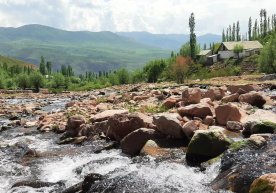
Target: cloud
{"points": [[158, 16]]}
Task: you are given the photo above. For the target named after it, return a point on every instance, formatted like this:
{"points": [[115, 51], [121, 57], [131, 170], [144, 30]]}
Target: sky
{"points": [[156, 16]]}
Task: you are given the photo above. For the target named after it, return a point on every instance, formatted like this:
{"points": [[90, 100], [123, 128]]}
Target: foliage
{"points": [[58, 80], [181, 68], [23, 81], [192, 36], [123, 76], [36, 80], [153, 70], [238, 49], [267, 58]]}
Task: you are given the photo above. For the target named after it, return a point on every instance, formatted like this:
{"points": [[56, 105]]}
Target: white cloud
{"points": [[158, 16]]}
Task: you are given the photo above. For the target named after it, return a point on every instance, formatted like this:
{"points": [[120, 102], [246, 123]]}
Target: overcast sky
{"points": [[156, 16]]}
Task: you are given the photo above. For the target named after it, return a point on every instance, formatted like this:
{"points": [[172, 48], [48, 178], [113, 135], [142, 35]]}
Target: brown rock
{"points": [[231, 98], [227, 112], [253, 98], [196, 110], [247, 88], [151, 148], [74, 125], [209, 120], [215, 93], [189, 129], [169, 124], [106, 115], [191, 95], [169, 102], [140, 98], [134, 141], [121, 125], [234, 126]]}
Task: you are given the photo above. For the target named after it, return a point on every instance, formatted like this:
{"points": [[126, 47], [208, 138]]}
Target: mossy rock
{"points": [[206, 145], [264, 127], [261, 186], [238, 145]]}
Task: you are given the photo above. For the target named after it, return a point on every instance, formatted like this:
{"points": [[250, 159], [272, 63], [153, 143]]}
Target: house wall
{"points": [[226, 54]]}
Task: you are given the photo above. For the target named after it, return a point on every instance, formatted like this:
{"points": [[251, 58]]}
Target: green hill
{"points": [[84, 51], [12, 61]]}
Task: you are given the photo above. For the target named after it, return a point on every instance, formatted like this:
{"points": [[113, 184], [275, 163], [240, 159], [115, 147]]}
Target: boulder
{"points": [[215, 93], [209, 120], [191, 95], [231, 98], [134, 141], [254, 127], [244, 162], [253, 98], [265, 183], [227, 112], [205, 145], [169, 102], [234, 126], [105, 115], [151, 148], [74, 126], [120, 125], [169, 124], [196, 110], [247, 88], [189, 129]]}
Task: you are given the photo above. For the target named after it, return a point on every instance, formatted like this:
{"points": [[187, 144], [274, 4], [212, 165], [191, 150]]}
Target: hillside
{"points": [[168, 41], [84, 51], [12, 61]]}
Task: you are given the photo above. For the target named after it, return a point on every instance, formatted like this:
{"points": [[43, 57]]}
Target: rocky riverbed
{"points": [[140, 138]]}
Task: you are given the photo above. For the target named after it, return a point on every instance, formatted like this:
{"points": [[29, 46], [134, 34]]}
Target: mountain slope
{"points": [[12, 61], [85, 51], [168, 41]]}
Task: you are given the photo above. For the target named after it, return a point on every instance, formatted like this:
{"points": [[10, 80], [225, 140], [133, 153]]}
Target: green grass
{"points": [[12, 61]]}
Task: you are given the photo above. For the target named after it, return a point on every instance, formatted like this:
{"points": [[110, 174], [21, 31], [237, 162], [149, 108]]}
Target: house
{"points": [[226, 49], [207, 57]]}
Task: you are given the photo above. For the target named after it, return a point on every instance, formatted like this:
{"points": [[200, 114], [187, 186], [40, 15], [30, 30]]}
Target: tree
{"points": [[58, 80], [255, 28], [49, 67], [36, 80], [205, 46], [234, 32], [227, 35], [23, 81], [42, 67], [238, 36], [123, 76], [223, 36], [181, 68], [192, 36], [267, 58], [238, 49], [230, 33], [250, 29], [153, 70], [265, 22]]}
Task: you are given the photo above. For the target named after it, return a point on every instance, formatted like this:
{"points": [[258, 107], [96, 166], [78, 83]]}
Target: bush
{"points": [[36, 80], [267, 58], [23, 81]]}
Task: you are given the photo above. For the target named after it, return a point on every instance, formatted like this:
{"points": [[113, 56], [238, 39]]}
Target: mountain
{"points": [[83, 50], [168, 41], [12, 61]]}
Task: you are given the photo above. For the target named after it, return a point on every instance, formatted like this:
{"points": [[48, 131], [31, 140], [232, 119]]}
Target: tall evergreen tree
{"points": [[192, 36], [261, 22], [230, 33], [227, 35], [255, 28], [49, 67], [238, 36], [234, 32], [223, 36], [42, 67], [265, 22], [205, 46], [250, 29]]}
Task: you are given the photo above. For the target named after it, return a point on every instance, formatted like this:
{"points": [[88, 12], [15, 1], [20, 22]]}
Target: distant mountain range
{"points": [[169, 41], [89, 51]]}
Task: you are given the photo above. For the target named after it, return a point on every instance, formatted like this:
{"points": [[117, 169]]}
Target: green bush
{"points": [[36, 80]]}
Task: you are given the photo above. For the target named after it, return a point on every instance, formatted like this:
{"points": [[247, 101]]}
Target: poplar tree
{"points": [[238, 37], [250, 29], [42, 67], [192, 36], [223, 36]]}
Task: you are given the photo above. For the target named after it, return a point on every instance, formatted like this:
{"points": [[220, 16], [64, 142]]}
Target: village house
{"points": [[226, 49], [207, 57]]}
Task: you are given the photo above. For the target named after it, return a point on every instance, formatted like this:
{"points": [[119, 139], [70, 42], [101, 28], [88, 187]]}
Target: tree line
{"points": [[266, 24]]}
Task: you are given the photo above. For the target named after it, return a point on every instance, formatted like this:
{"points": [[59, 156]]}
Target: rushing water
{"points": [[70, 163]]}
